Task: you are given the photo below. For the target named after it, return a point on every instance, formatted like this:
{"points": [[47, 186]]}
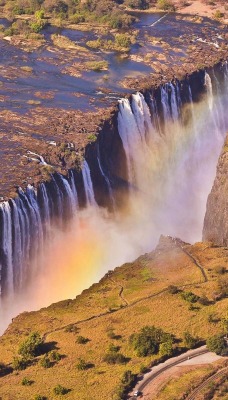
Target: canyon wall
{"points": [[216, 218], [148, 173]]}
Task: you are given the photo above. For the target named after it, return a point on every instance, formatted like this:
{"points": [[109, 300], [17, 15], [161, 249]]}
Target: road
{"points": [[162, 367]]}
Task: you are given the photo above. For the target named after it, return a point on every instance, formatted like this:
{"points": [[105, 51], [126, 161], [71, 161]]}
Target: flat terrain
{"points": [[125, 300], [51, 92]]}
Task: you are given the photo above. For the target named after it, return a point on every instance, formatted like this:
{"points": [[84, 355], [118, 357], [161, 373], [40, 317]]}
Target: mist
{"points": [[170, 177]]}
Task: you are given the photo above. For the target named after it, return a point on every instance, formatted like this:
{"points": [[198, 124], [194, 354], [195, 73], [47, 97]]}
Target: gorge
{"points": [[148, 173]]}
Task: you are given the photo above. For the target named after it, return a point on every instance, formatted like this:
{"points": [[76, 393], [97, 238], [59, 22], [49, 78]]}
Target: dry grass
{"points": [[142, 281]]}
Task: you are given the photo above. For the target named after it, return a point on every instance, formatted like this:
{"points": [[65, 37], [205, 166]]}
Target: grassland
{"points": [[134, 295]]}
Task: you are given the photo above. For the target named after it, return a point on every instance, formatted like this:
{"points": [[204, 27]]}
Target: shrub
{"points": [[123, 40], [92, 137], [190, 297], [114, 358], [113, 349], [54, 355], [218, 14], [39, 397], [82, 340], [165, 5], [31, 346], [19, 363], [59, 389], [189, 340], [26, 382], [70, 328], [173, 289], [216, 343], [97, 65], [82, 365], [45, 362]]}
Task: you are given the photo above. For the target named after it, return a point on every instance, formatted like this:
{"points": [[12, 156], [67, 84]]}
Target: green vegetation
{"points": [[45, 362], [82, 340], [60, 390], [39, 397], [217, 344], [19, 364], [113, 357], [83, 365], [121, 42], [97, 65], [31, 347], [26, 382], [189, 341], [152, 306], [150, 340], [190, 297], [165, 5]]}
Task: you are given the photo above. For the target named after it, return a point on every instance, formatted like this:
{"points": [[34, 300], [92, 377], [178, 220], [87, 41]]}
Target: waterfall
{"points": [[106, 179], [88, 185], [7, 278], [170, 169], [73, 188], [209, 89]]}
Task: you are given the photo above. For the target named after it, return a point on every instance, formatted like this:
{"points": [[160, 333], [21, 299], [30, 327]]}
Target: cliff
{"points": [[216, 218]]}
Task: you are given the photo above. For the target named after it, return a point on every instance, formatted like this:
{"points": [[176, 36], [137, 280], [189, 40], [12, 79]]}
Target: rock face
{"points": [[216, 218]]}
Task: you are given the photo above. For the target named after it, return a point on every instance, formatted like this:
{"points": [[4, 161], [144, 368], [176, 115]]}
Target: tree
{"points": [[216, 343], [166, 348], [31, 346], [189, 340], [147, 341]]}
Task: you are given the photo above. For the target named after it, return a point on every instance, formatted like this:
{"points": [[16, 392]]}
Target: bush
{"points": [[173, 289], [31, 347], [19, 364], [39, 397], [54, 356], [166, 348], [165, 5], [45, 362], [123, 40], [97, 65], [59, 389], [70, 328], [114, 358], [82, 340], [218, 14], [82, 365], [26, 382], [190, 297], [113, 349], [189, 341], [217, 344]]}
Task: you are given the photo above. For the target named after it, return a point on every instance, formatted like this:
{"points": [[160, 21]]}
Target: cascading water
{"points": [[170, 169]]}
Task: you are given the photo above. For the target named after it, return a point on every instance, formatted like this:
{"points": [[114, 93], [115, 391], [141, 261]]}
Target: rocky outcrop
{"points": [[216, 218]]}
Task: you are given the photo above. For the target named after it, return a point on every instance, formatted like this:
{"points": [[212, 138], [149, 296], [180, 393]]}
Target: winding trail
{"points": [[204, 384], [195, 261], [125, 301]]}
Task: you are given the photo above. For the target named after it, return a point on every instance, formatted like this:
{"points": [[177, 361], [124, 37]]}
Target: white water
{"points": [[171, 168]]}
